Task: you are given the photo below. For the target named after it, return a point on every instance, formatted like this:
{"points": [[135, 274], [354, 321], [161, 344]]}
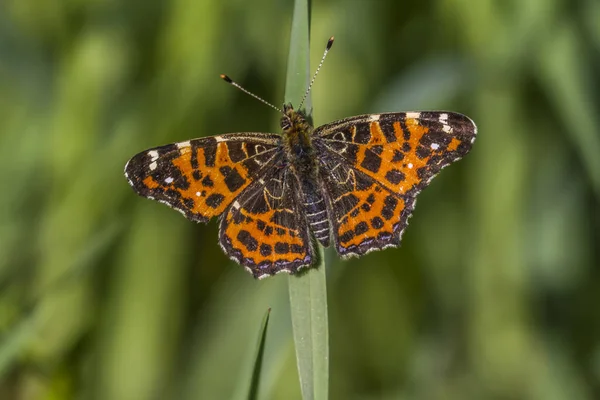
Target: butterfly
{"points": [[351, 183]]}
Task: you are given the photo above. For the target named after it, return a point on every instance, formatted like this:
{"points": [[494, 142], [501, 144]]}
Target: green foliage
{"points": [[255, 372], [105, 295]]}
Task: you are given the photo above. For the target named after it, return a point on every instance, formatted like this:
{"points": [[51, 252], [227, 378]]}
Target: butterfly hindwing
{"points": [[201, 177], [364, 214], [264, 229]]}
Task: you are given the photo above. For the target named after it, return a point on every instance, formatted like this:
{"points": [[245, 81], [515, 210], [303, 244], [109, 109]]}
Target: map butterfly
{"points": [[352, 183]]}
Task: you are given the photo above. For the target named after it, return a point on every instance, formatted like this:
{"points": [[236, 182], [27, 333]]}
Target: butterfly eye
{"points": [[285, 123]]}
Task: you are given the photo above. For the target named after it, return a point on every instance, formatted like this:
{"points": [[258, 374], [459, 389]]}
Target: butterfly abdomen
{"points": [[315, 210], [306, 171]]}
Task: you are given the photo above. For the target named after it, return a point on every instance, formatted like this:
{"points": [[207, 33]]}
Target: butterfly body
{"points": [[351, 183], [302, 158]]}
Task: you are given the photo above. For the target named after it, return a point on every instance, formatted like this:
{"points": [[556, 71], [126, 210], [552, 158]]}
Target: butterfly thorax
{"points": [[297, 132]]}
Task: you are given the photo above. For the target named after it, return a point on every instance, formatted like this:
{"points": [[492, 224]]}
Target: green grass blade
{"points": [[308, 302], [308, 292], [298, 72], [258, 359]]}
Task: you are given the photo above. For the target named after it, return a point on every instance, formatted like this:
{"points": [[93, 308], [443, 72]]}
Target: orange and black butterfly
{"points": [[351, 182]]}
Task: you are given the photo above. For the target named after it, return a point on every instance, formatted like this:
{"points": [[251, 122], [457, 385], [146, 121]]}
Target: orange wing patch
{"points": [[264, 231], [383, 162], [201, 177]]}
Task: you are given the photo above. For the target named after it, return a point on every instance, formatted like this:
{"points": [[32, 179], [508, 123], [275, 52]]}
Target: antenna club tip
{"points": [[226, 78], [330, 42]]}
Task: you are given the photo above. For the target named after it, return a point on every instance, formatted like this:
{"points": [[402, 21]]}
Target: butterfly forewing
{"points": [[402, 151], [201, 177]]}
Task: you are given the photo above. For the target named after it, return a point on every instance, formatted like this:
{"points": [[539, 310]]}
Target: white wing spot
{"points": [[410, 165], [373, 117], [153, 154], [219, 139], [182, 145], [447, 128], [435, 146], [169, 180], [236, 205], [413, 114], [197, 194], [152, 166], [443, 118]]}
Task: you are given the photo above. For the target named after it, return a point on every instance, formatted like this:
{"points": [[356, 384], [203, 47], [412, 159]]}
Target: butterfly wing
{"points": [[264, 229], [373, 167], [364, 214], [201, 177]]}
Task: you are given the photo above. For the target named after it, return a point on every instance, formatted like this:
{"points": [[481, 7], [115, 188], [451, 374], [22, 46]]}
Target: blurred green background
{"points": [[494, 294]]}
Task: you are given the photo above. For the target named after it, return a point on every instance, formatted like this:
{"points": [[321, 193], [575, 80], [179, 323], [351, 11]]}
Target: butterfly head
{"points": [[293, 120]]}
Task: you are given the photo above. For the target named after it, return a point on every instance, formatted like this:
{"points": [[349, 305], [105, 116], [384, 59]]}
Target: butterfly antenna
{"points": [[228, 80], [329, 44]]}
